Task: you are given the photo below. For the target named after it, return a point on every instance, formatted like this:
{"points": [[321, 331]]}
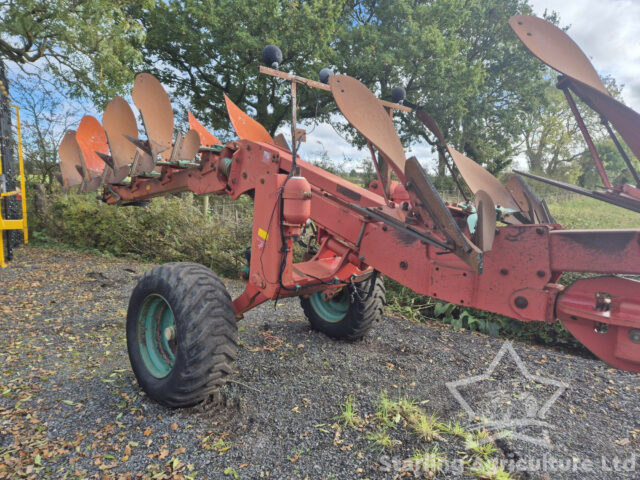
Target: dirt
{"points": [[70, 406]]}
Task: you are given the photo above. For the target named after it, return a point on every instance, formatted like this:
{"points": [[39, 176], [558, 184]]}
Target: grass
{"points": [[431, 461], [480, 444], [590, 213], [427, 428], [380, 440], [349, 413], [403, 418], [490, 470]]}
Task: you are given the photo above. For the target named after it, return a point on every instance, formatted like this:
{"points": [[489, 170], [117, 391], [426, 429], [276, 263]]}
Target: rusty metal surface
{"points": [[189, 146], [245, 126], [365, 113], [207, 138], [486, 226], [431, 124], [322, 86], [118, 121], [555, 48], [610, 301], [420, 185], [281, 142], [92, 138], [70, 162], [480, 179], [529, 204], [153, 102]]}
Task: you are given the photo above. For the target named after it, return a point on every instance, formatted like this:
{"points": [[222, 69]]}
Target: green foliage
{"points": [[349, 414], [457, 59], [583, 212], [169, 229], [213, 47], [92, 47]]}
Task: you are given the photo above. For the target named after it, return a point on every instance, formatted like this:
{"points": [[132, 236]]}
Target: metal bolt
{"points": [[404, 265], [539, 230], [504, 271], [541, 273], [521, 302], [634, 335], [384, 228], [170, 333]]}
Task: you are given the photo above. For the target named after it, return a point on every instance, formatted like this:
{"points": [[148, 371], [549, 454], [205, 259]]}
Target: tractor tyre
{"points": [[181, 334], [350, 313]]}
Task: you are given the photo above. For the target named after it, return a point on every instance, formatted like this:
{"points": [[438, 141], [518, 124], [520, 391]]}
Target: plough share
{"points": [[502, 253]]}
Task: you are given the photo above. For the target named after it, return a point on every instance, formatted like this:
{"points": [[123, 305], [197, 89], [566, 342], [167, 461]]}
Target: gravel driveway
{"points": [[70, 406]]}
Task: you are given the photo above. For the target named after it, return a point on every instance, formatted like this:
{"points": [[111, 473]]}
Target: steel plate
{"points": [[70, 162], [92, 138], [486, 226], [555, 48], [189, 146], [245, 126], [118, 121], [364, 112], [480, 179], [206, 137], [153, 102], [431, 203]]}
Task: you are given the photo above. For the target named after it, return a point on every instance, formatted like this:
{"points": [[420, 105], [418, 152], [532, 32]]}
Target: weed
{"points": [[427, 428], [349, 414], [480, 444], [489, 470], [380, 440], [454, 429], [430, 461]]}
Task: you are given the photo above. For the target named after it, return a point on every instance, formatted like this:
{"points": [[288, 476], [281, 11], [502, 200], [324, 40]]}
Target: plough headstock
{"points": [[502, 252]]}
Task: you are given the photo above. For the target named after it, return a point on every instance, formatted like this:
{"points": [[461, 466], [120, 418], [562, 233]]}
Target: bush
{"points": [[168, 229]]}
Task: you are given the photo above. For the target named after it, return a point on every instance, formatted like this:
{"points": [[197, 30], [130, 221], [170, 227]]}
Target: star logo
{"points": [[509, 402]]}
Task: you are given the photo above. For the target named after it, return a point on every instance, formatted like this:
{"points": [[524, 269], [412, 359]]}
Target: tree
{"points": [[207, 48], [458, 59], [553, 143], [45, 118], [92, 47]]}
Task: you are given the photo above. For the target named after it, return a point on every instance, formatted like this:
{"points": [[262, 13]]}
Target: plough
{"points": [[503, 252]]}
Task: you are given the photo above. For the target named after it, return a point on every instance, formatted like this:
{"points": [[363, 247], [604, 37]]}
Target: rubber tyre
{"points": [[362, 311], [205, 333]]}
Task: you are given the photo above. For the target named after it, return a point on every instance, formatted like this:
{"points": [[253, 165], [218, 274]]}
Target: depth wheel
{"points": [[349, 314], [181, 333]]}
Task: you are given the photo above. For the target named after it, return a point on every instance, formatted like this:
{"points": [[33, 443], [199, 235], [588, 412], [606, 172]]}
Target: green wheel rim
{"points": [[330, 310], [157, 336]]}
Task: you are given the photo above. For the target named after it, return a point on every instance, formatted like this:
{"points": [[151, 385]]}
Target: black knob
{"points": [[271, 56], [325, 74], [398, 94]]}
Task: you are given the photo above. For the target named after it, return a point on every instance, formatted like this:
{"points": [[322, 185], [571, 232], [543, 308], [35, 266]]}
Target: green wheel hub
{"points": [[157, 336], [331, 310]]}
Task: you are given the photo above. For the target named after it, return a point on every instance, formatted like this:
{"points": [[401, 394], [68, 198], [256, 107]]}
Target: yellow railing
{"points": [[20, 224]]}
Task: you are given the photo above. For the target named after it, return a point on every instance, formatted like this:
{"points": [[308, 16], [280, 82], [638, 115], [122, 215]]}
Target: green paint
{"points": [[157, 336]]}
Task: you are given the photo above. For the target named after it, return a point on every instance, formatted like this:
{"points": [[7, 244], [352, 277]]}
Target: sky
{"points": [[608, 31]]}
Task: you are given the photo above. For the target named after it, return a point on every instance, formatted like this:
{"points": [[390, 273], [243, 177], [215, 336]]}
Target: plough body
{"points": [[505, 254]]}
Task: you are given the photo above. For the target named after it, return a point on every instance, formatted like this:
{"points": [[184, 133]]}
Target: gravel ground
{"points": [[70, 406]]}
